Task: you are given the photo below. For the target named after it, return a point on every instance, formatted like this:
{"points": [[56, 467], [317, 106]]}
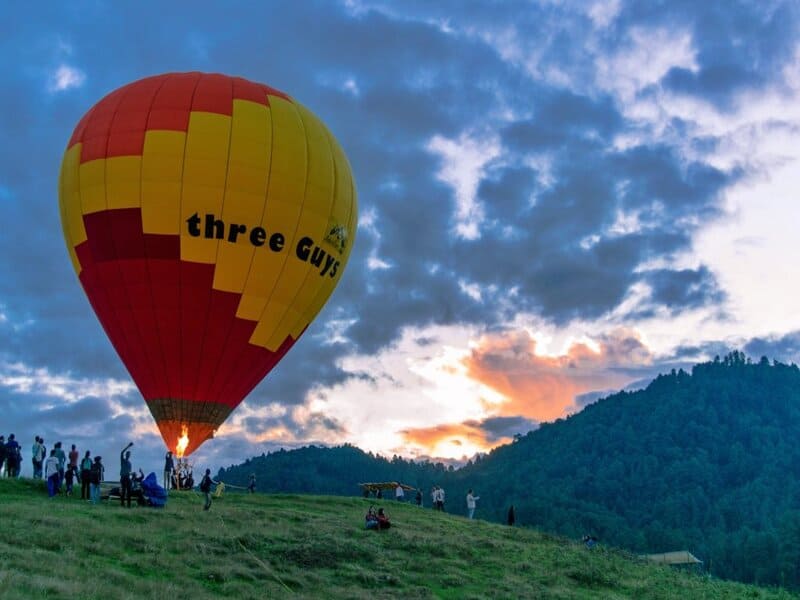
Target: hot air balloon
{"points": [[208, 218]]}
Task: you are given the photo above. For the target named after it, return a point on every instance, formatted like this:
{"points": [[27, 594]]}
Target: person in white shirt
{"points": [[399, 494], [51, 467], [471, 503]]}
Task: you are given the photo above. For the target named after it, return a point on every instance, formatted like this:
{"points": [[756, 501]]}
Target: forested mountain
{"points": [[707, 461]]}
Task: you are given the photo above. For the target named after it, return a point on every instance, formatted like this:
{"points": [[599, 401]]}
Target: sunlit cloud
{"points": [[457, 440], [24, 379], [544, 388]]}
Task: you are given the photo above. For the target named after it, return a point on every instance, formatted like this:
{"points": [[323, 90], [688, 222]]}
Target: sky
{"points": [[557, 200]]}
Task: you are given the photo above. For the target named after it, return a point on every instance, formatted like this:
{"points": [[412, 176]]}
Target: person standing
{"points": [[2, 453], [399, 494], [125, 469], [95, 477], [37, 458], [44, 450], [13, 457], [73, 458], [419, 498], [51, 473], [511, 516], [86, 472], [205, 487], [69, 477], [62, 461], [169, 468], [471, 503], [251, 486]]}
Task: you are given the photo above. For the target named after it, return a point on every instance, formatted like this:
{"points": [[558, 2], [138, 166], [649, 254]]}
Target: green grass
{"points": [[293, 546]]}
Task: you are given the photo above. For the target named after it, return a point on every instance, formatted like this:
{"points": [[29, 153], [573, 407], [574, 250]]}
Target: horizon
{"points": [[555, 201]]}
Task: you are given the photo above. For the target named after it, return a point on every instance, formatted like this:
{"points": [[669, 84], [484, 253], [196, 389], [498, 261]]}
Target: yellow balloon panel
{"points": [[162, 172], [69, 197], [123, 181]]}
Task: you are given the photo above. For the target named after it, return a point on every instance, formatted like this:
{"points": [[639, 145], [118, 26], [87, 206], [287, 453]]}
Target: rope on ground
{"points": [[236, 487], [264, 565]]}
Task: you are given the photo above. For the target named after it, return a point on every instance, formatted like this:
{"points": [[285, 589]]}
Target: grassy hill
{"points": [[291, 546], [706, 461]]}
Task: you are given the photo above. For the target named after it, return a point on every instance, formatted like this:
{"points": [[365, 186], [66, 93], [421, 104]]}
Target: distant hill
{"points": [[291, 546], [337, 471], [707, 461]]}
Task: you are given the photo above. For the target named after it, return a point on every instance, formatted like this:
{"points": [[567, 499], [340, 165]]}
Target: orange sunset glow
{"points": [[533, 387]]}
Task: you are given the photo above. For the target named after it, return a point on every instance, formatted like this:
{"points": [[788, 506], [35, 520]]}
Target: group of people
{"points": [[10, 456], [437, 496], [61, 470], [376, 519], [177, 476]]}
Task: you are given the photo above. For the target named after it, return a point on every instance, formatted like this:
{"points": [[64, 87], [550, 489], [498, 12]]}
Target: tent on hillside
{"points": [[384, 486]]}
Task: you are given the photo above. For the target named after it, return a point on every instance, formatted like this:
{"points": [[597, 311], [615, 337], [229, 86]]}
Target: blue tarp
{"points": [[156, 494]]}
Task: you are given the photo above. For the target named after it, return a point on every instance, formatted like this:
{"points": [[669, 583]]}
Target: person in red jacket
{"points": [[383, 520]]}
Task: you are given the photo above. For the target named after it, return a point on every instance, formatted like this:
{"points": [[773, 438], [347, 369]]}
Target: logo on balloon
{"points": [[337, 237]]}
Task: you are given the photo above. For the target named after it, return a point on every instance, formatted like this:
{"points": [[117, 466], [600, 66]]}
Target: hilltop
{"points": [[291, 546], [705, 460]]}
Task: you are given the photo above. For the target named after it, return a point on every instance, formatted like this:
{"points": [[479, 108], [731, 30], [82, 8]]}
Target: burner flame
{"points": [[183, 442]]}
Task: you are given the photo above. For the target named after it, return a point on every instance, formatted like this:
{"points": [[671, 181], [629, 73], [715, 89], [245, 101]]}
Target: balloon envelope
{"points": [[209, 219]]}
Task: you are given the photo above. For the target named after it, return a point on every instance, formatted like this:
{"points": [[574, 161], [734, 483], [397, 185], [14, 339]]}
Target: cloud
{"points": [[464, 439], [28, 380], [65, 78], [544, 388], [463, 161], [781, 347]]}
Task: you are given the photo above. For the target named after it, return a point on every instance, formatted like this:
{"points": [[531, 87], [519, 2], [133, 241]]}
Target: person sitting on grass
{"points": [[371, 519], [383, 520]]}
